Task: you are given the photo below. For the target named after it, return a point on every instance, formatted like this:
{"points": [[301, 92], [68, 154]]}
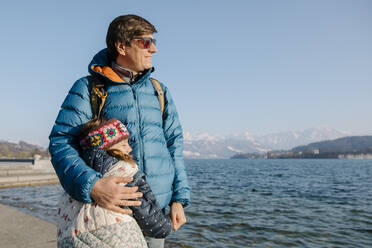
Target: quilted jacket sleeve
{"points": [[76, 177], [150, 218], [174, 137]]}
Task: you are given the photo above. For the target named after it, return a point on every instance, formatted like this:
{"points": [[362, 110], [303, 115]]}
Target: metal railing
{"points": [[17, 160]]}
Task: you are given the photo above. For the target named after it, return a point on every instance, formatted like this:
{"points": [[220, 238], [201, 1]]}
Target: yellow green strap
{"points": [[98, 95], [160, 92]]}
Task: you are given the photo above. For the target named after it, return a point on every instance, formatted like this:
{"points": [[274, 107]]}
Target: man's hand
{"points": [[107, 193], [177, 215]]}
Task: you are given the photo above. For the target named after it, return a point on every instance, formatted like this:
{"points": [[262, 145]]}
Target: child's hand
{"points": [[110, 195], [177, 215]]}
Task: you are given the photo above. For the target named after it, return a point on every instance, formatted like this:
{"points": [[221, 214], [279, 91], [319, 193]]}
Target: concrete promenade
{"points": [[17, 229], [20, 230], [25, 174]]}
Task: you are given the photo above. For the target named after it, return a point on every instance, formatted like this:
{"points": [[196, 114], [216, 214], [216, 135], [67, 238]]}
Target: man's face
{"points": [[137, 57]]}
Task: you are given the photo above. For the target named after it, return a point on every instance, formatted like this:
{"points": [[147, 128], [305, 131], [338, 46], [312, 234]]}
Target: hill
{"points": [[21, 150], [353, 144]]}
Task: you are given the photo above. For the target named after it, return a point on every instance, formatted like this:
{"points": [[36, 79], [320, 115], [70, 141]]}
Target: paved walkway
{"points": [[20, 230], [23, 174]]}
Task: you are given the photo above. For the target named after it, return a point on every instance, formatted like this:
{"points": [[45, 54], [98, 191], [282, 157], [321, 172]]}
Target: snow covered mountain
{"points": [[204, 145]]}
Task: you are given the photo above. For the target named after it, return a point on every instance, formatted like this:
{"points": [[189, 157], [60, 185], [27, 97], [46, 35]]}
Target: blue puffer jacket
{"points": [[157, 142]]}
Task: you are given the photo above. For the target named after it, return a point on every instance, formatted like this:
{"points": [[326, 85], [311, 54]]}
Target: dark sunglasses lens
{"points": [[147, 43]]}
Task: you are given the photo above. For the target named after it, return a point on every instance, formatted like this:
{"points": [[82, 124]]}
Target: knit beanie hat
{"points": [[105, 135]]}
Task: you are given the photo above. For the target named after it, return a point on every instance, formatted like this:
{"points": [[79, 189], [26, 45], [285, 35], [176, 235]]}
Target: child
{"points": [[105, 148]]}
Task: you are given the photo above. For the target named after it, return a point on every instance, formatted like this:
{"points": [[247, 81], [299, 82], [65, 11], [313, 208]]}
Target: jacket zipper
{"points": [[138, 131]]}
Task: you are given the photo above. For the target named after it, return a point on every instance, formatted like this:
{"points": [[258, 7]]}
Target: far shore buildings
{"points": [[356, 156], [316, 153]]}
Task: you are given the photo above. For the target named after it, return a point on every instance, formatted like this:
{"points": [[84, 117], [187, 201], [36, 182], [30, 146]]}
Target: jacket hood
{"points": [[100, 66], [100, 59]]}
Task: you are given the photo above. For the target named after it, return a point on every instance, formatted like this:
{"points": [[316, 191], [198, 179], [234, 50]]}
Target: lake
{"points": [[257, 203]]}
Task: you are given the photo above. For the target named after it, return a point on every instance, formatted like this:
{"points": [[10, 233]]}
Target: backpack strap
{"points": [[160, 94], [98, 94]]}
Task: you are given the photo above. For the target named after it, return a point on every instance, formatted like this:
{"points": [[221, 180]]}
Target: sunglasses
{"points": [[145, 42]]}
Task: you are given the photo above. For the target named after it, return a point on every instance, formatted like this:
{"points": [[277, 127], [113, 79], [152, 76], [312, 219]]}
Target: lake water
{"points": [[257, 203]]}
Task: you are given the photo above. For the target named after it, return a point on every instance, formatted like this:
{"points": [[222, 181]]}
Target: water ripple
{"points": [[258, 203]]}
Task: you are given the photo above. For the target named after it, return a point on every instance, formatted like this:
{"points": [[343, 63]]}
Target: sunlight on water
{"points": [[258, 203]]}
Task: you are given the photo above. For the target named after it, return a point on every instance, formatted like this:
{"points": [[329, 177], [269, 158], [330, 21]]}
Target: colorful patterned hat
{"points": [[106, 135]]}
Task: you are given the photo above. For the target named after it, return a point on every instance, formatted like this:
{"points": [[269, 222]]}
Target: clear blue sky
{"points": [[256, 66]]}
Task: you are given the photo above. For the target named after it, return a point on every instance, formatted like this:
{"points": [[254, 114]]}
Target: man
{"points": [[156, 138]]}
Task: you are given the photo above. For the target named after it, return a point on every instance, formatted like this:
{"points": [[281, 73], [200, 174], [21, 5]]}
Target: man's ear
{"points": [[120, 47]]}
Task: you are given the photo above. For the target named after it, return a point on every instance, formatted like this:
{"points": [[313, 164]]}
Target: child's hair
{"points": [[90, 125], [119, 155], [95, 123]]}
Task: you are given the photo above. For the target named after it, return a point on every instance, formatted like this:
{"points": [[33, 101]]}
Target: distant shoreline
{"points": [[303, 156]]}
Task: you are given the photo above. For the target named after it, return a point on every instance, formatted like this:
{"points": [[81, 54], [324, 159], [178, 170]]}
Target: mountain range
{"points": [[204, 145]]}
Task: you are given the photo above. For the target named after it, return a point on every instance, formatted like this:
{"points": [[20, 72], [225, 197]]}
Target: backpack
{"points": [[98, 94]]}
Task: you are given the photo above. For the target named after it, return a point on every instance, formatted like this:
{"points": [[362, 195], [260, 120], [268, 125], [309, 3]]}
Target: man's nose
{"points": [[153, 48]]}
